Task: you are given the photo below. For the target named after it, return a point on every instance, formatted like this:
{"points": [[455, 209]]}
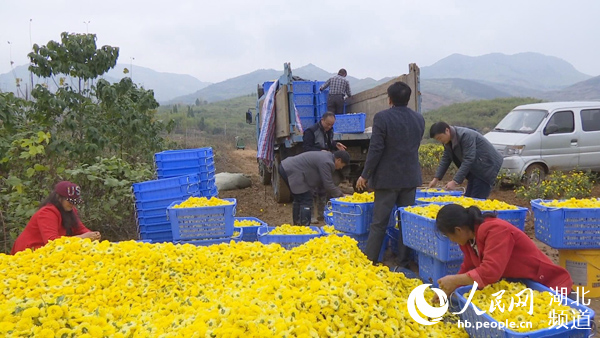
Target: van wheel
{"points": [[534, 175]]}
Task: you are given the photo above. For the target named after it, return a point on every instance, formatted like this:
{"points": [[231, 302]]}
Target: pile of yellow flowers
{"points": [[543, 304], [433, 190], [245, 223], [329, 229], [365, 197], [199, 202], [73, 287], [485, 205], [429, 210], [288, 229], [574, 203]]}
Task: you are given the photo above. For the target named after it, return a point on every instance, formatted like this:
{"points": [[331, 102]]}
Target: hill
{"points": [[441, 92], [165, 85], [247, 84], [528, 70], [482, 115], [582, 91]]}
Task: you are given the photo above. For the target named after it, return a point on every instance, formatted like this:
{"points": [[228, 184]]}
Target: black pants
{"points": [[335, 103], [477, 188], [385, 200], [302, 205]]}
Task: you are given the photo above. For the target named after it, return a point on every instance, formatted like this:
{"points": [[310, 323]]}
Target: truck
{"points": [[288, 139]]}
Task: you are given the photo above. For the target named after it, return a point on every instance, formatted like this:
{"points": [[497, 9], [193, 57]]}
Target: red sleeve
{"points": [[467, 264], [499, 244], [49, 224], [80, 228]]}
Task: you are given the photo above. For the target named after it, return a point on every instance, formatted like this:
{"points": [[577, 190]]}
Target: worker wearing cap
{"points": [[56, 217]]}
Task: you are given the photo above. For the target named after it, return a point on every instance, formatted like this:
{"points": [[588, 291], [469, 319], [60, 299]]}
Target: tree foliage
{"points": [[101, 136]]}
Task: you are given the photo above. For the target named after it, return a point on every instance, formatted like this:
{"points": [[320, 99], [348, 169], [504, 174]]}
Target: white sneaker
{"points": [[314, 221]]}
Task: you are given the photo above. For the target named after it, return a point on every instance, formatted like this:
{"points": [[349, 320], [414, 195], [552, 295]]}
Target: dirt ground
{"points": [[257, 201]]}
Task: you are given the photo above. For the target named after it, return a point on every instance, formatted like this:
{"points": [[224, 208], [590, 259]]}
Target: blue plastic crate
{"points": [[267, 85], [488, 331], [153, 212], [164, 188], [157, 236], [361, 239], [213, 192], [250, 231], [204, 222], [161, 227], [321, 110], [194, 162], [286, 241], [423, 193], [304, 99], [318, 85], [204, 171], [431, 269], [350, 123], [211, 241], [420, 233], [183, 154], [307, 122], [566, 228], [354, 218], [392, 237], [150, 220], [321, 97], [306, 111], [303, 87], [515, 217], [327, 217]]}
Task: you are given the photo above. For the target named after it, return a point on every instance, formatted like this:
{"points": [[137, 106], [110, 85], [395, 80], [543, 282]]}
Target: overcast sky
{"points": [[219, 39]]}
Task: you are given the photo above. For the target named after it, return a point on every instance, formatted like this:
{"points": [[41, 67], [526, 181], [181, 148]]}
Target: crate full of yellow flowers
{"points": [[201, 217], [287, 235], [567, 224]]}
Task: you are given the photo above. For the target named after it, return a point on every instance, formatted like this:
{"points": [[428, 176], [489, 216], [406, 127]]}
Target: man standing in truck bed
{"points": [[392, 168], [338, 88]]}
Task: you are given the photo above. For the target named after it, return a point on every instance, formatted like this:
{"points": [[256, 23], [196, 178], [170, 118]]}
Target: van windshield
{"points": [[521, 121]]}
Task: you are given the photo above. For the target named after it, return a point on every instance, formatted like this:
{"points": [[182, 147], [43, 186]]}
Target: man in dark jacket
{"points": [[475, 157], [320, 135], [392, 168], [307, 172], [317, 138]]}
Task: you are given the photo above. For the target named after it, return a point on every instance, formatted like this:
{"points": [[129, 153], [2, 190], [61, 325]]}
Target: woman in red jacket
{"points": [[55, 218], [494, 249]]}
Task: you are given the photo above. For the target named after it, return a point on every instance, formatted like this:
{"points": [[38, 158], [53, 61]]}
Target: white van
{"points": [[537, 138]]}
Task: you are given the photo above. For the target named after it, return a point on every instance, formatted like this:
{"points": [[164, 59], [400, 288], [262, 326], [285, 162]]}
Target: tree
{"points": [[174, 109], [197, 102], [201, 124]]}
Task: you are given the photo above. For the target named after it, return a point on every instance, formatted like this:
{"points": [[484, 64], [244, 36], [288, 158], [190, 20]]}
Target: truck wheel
{"points": [[281, 192], [534, 175], [265, 175]]}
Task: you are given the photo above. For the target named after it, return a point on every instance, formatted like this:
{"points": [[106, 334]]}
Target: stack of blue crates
{"points": [[304, 99], [321, 99], [182, 174], [152, 199], [173, 163]]}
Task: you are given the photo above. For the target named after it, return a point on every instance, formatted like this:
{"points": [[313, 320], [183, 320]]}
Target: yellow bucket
{"points": [[584, 267]]}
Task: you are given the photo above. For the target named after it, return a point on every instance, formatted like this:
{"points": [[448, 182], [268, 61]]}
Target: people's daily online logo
{"points": [[416, 299], [419, 307]]}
